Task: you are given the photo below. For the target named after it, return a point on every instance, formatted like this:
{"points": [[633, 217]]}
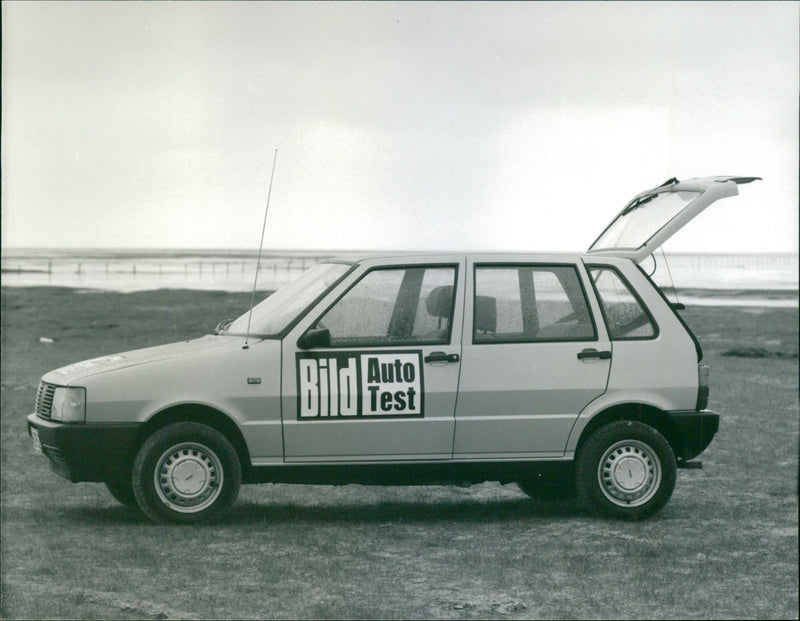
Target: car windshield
{"points": [[271, 316], [640, 222]]}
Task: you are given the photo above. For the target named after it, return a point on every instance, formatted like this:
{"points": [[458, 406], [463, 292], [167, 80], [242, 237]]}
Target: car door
{"points": [[373, 374], [534, 355]]}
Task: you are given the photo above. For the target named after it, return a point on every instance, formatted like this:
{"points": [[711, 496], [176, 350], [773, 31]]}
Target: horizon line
{"points": [[254, 251]]}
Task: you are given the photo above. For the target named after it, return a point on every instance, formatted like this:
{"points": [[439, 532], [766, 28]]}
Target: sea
{"points": [[696, 279]]}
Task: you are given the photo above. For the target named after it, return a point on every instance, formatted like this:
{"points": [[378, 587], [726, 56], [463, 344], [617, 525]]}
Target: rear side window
{"points": [[394, 306], [624, 312], [529, 303]]}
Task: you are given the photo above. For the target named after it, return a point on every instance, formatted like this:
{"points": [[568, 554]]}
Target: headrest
{"points": [[440, 301], [485, 313]]}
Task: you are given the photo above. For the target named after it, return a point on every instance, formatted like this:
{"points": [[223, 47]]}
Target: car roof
{"points": [[440, 256]]}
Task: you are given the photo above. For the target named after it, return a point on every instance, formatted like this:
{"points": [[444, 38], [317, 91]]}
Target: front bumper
{"points": [[696, 429], [88, 452]]}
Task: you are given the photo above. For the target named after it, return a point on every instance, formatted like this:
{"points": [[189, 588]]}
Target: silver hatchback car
{"points": [[559, 372]]}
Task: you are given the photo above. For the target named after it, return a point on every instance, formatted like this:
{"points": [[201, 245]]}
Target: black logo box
{"points": [[349, 359]]}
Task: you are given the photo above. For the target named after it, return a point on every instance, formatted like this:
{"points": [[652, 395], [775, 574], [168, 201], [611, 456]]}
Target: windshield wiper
{"points": [[222, 326], [642, 200], [639, 202]]}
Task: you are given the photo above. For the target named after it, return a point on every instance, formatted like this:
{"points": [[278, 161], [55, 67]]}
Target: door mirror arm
{"points": [[315, 337]]}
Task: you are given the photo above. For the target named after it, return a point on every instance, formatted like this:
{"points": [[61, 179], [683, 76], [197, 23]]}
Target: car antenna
{"points": [[260, 247]]}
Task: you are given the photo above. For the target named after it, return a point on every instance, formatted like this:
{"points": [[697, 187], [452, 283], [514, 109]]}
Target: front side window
{"points": [[529, 303], [624, 313], [395, 306]]}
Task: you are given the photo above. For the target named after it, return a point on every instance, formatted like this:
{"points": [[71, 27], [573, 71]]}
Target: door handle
{"points": [[440, 356], [593, 353]]}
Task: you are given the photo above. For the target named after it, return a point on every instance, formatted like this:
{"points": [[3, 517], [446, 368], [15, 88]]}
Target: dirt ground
{"points": [[726, 546]]}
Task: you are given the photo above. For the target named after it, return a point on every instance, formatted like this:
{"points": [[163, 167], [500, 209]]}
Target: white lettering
{"points": [[309, 394], [348, 404], [334, 387], [323, 387]]}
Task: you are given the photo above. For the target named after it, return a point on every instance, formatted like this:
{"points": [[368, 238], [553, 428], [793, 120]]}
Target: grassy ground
{"points": [[724, 547]]}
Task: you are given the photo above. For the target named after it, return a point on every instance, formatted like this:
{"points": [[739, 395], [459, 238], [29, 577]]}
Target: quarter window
{"points": [[624, 313], [529, 303], [397, 306]]}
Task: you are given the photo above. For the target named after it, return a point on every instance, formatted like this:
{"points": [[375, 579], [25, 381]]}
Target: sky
{"points": [[498, 126]]}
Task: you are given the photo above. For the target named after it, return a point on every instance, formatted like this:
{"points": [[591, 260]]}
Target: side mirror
{"points": [[316, 337]]}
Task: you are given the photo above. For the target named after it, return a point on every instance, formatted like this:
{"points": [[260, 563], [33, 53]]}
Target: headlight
{"points": [[69, 405]]}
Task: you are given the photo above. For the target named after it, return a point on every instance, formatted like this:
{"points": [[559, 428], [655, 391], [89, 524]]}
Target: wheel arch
{"points": [[205, 415], [640, 412]]}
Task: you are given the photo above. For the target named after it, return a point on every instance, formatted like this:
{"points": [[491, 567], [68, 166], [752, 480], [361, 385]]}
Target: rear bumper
{"points": [[696, 429], [87, 452]]}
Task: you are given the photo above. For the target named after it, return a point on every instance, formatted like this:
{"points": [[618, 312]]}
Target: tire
{"points": [[122, 492], [186, 472], [626, 469]]}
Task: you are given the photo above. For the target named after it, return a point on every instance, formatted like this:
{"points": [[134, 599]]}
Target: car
{"points": [[563, 373]]}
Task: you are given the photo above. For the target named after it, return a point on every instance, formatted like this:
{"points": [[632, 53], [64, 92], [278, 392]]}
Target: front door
{"points": [[533, 358], [379, 378]]}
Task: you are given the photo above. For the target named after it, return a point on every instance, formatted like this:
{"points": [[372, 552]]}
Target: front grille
{"points": [[44, 399]]}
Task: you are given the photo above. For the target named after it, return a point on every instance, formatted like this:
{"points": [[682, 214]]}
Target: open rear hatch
{"points": [[655, 215]]}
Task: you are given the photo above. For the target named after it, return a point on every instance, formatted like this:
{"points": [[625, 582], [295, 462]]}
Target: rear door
{"points": [[534, 356], [655, 215]]}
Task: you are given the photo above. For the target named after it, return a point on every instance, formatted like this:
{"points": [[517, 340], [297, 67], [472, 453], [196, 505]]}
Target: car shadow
{"points": [[462, 511], [248, 512]]}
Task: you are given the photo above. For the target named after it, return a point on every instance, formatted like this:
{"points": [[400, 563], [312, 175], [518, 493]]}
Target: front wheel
{"points": [[186, 472], [626, 469]]}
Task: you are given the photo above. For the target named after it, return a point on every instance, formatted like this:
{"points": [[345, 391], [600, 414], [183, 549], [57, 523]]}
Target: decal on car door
{"points": [[353, 384]]}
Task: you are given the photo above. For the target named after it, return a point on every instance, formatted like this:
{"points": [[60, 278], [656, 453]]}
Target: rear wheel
{"points": [[626, 469], [186, 472]]}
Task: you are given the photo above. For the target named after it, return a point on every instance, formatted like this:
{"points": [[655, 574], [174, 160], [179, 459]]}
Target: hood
{"points": [[79, 370], [655, 215]]}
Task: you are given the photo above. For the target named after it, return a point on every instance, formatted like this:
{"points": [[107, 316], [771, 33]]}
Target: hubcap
{"points": [[629, 473], [188, 477]]}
